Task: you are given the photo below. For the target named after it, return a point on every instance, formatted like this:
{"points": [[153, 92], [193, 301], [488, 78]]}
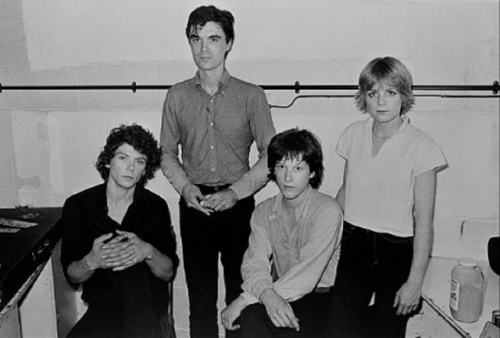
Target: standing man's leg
{"points": [[234, 231], [201, 267]]}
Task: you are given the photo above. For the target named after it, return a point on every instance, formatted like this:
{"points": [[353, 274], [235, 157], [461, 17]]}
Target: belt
{"points": [[207, 189]]}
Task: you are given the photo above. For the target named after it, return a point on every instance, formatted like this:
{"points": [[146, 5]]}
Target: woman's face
{"points": [[383, 102], [126, 167]]}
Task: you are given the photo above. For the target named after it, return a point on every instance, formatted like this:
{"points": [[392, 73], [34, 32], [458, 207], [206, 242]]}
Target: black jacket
{"points": [[134, 291]]}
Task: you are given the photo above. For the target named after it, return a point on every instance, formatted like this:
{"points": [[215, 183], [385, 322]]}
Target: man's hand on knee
{"points": [[279, 310], [233, 312]]}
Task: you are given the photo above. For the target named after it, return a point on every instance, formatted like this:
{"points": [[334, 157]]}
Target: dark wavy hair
{"points": [[203, 14], [294, 143], [143, 142], [389, 69]]}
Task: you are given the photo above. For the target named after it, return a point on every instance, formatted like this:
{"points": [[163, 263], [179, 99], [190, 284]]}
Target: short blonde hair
{"points": [[389, 69]]}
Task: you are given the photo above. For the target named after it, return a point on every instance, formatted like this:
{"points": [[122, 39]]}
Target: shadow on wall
{"points": [[32, 182]]}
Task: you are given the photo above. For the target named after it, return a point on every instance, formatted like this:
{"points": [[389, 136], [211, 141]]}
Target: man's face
{"points": [[209, 46], [126, 167], [292, 177]]}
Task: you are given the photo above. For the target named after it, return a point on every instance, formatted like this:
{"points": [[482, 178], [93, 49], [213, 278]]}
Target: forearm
{"points": [[256, 275], [266, 293], [80, 271], [422, 247], [341, 197], [241, 302], [173, 171], [253, 180], [425, 192], [341, 193], [160, 264]]}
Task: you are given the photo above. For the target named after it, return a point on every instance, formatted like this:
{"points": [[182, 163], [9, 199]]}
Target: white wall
{"points": [[49, 139]]}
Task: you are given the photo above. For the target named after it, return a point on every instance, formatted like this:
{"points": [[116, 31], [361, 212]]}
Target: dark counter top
{"points": [[23, 252]]}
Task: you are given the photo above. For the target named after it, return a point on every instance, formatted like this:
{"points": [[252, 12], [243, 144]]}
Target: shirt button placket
{"points": [[211, 133]]}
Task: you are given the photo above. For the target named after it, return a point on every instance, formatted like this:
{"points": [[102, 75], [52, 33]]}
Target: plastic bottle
{"points": [[466, 291]]}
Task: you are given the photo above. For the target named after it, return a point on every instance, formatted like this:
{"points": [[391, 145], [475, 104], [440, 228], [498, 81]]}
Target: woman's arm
{"points": [[341, 193], [408, 296]]}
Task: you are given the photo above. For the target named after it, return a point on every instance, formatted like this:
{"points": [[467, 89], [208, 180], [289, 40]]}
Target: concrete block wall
{"points": [[49, 140]]}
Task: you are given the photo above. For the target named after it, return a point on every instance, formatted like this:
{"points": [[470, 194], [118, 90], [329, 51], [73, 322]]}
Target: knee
{"points": [[253, 315]]}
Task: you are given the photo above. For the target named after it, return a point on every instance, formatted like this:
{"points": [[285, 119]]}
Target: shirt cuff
{"points": [[249, 298], [238, 190]]}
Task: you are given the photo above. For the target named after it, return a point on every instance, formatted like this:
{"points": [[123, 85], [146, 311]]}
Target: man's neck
{"points": [[210, 80], [119, 196], [292, 205]]}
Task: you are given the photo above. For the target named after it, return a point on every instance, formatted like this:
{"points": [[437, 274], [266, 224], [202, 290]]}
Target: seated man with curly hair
{"points": [[119, 243]]}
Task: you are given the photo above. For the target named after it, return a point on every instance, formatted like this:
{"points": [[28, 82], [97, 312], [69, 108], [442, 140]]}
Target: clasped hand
{"points": [[219, 201], [118, 253]]}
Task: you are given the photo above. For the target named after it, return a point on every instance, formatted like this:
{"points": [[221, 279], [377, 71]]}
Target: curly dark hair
{"points": [[143, 142], [294, 143]]}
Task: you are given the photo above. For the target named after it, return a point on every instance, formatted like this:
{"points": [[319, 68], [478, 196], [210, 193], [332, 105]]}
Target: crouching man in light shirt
{"points": [[294, 247]]}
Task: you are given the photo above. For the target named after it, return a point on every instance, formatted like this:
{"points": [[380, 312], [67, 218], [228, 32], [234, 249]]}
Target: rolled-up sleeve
{"points": [[256, 267]]}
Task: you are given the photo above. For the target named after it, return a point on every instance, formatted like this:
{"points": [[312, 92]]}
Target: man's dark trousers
{"points": [[204, 238]]}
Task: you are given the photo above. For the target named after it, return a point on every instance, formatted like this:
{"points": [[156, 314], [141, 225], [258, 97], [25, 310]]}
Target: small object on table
{"points": [[16, 223]]}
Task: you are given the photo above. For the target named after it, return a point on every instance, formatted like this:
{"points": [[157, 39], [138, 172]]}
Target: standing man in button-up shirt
{"points": [[215, 118]]}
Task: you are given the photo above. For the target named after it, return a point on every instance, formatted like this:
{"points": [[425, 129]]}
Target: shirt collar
{"points": [[301, 211], [402, 127], [223, 83], [99, 200]]}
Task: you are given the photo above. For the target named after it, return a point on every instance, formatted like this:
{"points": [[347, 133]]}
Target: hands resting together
{"points": [[219, 201], [118, 253]]}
